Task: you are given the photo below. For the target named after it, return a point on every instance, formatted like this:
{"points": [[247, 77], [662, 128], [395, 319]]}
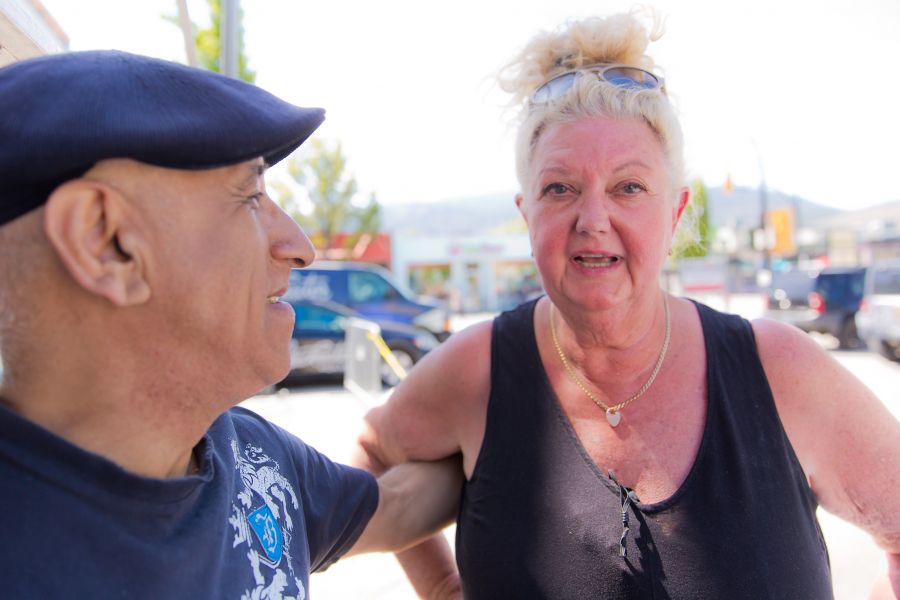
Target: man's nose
{"points": [[288, 241]]}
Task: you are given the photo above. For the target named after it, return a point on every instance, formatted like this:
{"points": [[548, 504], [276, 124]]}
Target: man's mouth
{"points": [[597, 261], [275, 296]]}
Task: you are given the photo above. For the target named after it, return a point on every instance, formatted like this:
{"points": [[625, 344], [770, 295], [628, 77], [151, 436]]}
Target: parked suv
{"points": [[318, 345], [824, 301], [878, 318], [369, 290]]}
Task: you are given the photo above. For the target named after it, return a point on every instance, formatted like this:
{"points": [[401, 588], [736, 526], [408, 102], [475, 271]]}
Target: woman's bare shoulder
{"points": [[433, 412]]}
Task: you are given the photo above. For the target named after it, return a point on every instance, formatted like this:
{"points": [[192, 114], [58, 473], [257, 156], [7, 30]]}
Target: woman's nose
{"points": [[593, 214]]}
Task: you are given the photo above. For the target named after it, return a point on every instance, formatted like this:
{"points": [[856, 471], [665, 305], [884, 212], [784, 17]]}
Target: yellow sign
{"points": [[782, 222]]}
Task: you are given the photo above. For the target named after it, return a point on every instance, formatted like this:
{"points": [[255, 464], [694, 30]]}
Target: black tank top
{"points": [[539, 520]]}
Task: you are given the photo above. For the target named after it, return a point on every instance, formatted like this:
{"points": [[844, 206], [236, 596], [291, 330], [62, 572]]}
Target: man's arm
{"points": [[415, 500], [430, 565], [439, 410]]}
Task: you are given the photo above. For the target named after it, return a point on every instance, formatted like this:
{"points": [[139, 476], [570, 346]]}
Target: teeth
{"points": [[598, 260], [272, 299]]}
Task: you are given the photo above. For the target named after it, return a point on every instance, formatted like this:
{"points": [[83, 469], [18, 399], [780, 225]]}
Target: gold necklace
{"points": [[613, 414]]}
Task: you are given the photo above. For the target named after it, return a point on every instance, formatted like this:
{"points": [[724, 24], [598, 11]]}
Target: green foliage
{"points": [[208, 42], [694, 236], [332, 194]]}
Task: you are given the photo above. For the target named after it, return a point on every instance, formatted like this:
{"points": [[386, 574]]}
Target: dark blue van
{"points": [[318, 345], [824, 302], [370, 291]]}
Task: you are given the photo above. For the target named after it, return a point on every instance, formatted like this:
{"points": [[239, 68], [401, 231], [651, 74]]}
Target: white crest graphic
{"points": [[261, 518]]}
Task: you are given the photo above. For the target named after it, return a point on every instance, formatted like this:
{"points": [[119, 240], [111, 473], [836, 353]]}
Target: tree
{"points": [[207, 40], [694, 237], [333, 206]]}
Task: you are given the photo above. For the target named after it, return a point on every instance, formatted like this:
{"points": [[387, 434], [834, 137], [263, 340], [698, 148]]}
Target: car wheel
{"points": [[847, 336], [405, 357], [889, 351]]}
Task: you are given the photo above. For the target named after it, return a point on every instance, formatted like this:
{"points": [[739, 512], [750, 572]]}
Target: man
{"points": [[141, 265]]}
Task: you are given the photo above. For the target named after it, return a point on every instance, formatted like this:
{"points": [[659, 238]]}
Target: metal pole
{"points": [[763, 210], [228, 44]]}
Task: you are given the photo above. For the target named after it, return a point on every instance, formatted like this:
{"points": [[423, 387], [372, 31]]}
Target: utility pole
{"points": [[228, 44], [766, 273]]}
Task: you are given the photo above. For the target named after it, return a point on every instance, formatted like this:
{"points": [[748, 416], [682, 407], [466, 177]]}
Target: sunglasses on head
{"points": [[622, 76]]}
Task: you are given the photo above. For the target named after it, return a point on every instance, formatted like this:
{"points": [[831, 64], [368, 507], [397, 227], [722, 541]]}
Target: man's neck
{"points": [[142, 435]]}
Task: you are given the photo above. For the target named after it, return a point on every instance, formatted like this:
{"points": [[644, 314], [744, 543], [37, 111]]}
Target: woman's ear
{"points": [[86, 223], [519, 201], [684, 195]]}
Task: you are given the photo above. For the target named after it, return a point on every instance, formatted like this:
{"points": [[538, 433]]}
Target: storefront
{"points": [[472, 274], [28, 30]]}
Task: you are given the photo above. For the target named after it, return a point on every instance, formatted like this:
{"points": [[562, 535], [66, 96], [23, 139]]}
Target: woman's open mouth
{"points": [[597, 261]]}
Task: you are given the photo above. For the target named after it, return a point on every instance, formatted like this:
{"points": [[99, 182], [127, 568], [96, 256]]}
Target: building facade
{"points": [[28, 30]]}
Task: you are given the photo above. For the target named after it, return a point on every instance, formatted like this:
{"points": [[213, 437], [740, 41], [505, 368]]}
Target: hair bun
{"points": [[621, 38]]}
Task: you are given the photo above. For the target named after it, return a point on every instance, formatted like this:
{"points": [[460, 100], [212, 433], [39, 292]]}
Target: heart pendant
{"points": [[613, 417]]}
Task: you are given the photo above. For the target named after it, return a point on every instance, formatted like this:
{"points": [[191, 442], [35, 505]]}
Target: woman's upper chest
{"points": [[658, 436]]}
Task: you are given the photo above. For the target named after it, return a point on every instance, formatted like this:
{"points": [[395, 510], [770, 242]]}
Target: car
{"points": [[823, 301], [318, 343], [369, 290], [878, 319]]}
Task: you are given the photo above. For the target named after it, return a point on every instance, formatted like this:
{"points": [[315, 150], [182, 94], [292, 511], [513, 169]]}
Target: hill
{"points": [[484, 215]]}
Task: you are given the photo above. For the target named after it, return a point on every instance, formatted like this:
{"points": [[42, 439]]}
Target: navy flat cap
{"points": [[61, 114]]}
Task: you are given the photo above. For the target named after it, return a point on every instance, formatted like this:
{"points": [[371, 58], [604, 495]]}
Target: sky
{"points": [[799, 94]]}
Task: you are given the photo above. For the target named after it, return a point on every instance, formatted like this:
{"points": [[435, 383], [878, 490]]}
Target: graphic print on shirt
{"points": [[261, 518]]}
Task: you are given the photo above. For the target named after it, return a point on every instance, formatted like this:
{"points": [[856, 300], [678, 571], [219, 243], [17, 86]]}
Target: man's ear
{"points": [[86, 223]]}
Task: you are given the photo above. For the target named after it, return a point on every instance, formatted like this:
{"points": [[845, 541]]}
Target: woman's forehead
{"points": [[587, 141]]}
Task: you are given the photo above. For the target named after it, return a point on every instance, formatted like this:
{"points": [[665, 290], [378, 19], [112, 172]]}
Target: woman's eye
{"points": [[633, 188], [254, 200], [555, 189]]}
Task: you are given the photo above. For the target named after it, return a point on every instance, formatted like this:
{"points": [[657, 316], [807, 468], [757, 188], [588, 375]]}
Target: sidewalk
{"points": [[328, 418]]}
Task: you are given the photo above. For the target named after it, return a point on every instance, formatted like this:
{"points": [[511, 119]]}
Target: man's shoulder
{"points": [[243, 429]]}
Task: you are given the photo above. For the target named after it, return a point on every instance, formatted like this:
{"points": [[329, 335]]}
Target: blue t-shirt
{"points": [[263, 512]]}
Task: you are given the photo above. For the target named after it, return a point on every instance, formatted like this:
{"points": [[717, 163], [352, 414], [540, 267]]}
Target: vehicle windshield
{"points": [[886, 281], [795, 284]]}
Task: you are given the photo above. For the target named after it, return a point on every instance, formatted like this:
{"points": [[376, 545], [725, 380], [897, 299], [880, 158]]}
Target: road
{"points": [[328, 418]]}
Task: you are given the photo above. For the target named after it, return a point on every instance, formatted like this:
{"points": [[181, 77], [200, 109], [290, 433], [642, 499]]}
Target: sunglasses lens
{"points": [[627, 77], [624, 77], [554, 88]]}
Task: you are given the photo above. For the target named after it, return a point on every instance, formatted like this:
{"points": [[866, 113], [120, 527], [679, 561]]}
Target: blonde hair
{"points": [[620, 38]]}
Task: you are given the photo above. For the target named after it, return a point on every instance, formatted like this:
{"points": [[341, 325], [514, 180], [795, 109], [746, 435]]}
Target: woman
{"points": [[619, 442]]}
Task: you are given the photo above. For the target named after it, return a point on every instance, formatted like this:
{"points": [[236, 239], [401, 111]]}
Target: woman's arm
{"points": [[845, 438], [439, 410]]}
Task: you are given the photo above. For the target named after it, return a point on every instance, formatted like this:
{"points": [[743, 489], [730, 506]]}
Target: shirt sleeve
{"points": [[337, 502]]}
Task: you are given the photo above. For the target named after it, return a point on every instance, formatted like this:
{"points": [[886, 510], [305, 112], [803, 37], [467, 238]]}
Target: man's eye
{"points": [[254, 200]]}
